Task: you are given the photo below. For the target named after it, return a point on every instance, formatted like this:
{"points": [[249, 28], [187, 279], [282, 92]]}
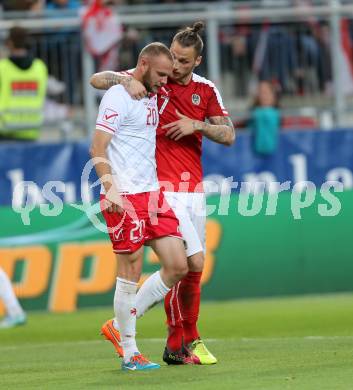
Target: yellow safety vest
{"points": [[22, 94]]}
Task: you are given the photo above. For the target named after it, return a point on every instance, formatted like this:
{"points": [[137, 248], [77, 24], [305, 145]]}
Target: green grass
{"points": [[288, 343]]}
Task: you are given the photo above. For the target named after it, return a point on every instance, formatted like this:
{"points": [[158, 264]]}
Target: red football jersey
{"points": [[198, 100]]}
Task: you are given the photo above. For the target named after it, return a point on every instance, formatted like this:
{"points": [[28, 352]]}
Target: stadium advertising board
{"points": [[63, 262], [281, 226], [315, 156]]}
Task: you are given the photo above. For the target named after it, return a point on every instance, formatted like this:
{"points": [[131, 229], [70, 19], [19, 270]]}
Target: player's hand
{"points": [[180, 128], [113, 202], [134, 88]]}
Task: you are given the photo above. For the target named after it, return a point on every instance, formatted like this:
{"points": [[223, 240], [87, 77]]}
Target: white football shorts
{"points": [[190, 209]]}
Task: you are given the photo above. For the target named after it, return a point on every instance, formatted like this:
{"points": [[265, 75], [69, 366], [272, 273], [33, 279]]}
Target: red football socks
{"points": [[174, 320], [182, 306], [189, 301]]}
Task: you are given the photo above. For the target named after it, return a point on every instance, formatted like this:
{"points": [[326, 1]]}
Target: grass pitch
{"points": [[288, 343]]}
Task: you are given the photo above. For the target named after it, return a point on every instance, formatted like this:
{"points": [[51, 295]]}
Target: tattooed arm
{"points": [[220, 129], [107, 79]]}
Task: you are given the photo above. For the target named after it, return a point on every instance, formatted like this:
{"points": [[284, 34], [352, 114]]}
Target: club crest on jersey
{"points": [[195, 99], [110, 116]]}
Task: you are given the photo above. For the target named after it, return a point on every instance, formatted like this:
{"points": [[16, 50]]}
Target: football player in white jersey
{"points": [[184, 104], [123, 151]]}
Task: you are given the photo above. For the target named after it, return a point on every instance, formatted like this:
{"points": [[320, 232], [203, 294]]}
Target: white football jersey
{"points": [[131, 151]]}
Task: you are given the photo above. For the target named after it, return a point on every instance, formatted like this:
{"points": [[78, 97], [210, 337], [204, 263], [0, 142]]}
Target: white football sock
{"points": [[13, 307], [151, 292], [125, 315]]}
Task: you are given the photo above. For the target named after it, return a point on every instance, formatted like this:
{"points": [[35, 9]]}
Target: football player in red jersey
{"points": [[184, 103]]}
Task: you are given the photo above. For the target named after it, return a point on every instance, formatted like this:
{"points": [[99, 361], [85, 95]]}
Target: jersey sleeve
{"points": [[113, 109], [215, 105]]}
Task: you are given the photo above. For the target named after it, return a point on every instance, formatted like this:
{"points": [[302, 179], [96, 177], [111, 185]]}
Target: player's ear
{"points": [[198, 60], [144, 63]]}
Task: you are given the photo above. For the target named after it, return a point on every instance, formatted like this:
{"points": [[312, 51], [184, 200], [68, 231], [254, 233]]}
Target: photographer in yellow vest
{"points": [[23, 83]]}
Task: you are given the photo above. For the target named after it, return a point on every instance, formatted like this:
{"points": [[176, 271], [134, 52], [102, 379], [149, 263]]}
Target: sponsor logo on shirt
{"points": [[118, 235], [195, 99], [110, 116]]}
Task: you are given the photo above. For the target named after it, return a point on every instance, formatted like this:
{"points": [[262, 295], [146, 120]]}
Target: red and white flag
{"points": [[102, 33], [346, 58]]}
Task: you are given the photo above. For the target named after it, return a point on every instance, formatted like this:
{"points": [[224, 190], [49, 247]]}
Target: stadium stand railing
{"points": [[303, 50]]}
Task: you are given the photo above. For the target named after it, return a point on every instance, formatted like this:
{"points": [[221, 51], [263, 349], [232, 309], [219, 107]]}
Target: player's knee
{"points": [[133, 259], [177, 269], [180, 270], [196, 262]]}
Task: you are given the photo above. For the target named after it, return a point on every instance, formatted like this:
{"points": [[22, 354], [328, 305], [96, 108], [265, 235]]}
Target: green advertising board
{"points": [[255, 248]]}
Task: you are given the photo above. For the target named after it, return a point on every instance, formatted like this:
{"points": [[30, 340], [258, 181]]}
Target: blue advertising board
{"points": [[317, 156]]}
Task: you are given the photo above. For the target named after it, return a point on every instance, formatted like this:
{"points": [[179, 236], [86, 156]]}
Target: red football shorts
{"points": [[146, 216]]}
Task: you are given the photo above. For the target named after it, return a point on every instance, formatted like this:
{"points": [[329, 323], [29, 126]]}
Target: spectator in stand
{"points": [[22, 5], [265, 120], [23, 82], [129, 48], [324, 60], [63, 4], [314, 52], [280, 60]]}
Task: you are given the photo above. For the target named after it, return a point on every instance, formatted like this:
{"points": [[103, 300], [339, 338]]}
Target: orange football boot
{"points": [[113, 335]]}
